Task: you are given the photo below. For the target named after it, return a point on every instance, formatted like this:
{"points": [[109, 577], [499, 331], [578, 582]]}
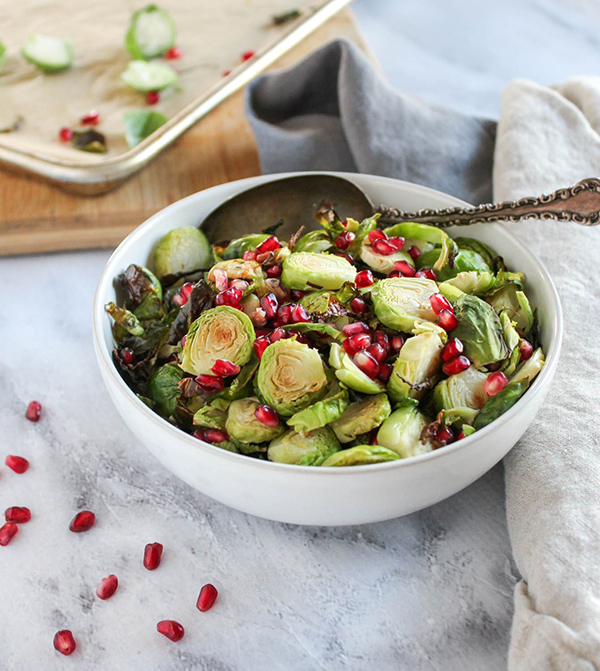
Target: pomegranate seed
{"points": [[274, 271], [269, 304], [242, 285], [183, 340], [171, 629], [90, 119], [453, 348], [266, 415], [414, 252], [83, 521], [284, 314], [173, 53], [107, 587], [364, 279], [344, 240], [152, 97], [383, 247], [382, 339], [249, 256], [247, 55], [373, 439], [376, 235], [258, 317], [447, 320], [178, 300], [34, 411], [355, 328], [17, 514], [225, 368], [299, 314], [359, 305], [395, 273], [526, 350], [445, 436], [64, 642], [397, 243], [439, 303], [221, 279], [404, 268], [226, 73], [396, 343], [7, 532], [377, 352], [427, 273], [65, 135], [495, 382], [297, 294], [260, 345], [127, 356], [456, 365], [278, 334], [345, 256], [231, 297], [357, 342], [18, 464], [153, 556], [269, 244], [185, 292], [461, 435], [385, 371], [210, 383], [367, 363], [206, 599], [215, 436]]}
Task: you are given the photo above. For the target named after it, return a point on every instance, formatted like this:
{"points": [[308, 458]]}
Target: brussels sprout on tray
{"points": [[346, 346]]}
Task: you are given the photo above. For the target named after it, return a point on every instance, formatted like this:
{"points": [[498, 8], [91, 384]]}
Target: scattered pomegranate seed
{"points": [[17, 514], [107, 587], [367, 363], [64, 642], [34, 411], [427, 273], [385, 371], [247, 55], [376, 235], [269, 244], [274, 271], [344, 240], [383, 247], [231, 297], [226, 73], [260, 345], [152, 556], [452, 349], [171, 629], [526, 350], [65, 135], [17, 464], [364, 279], [447, 320], [495, 382], [210, 383], [378, 352], [266, 415], [208, 596], [397, 243], [127, 356], [297, 294], [445, 436], [355, 328], [269, 304], [382, 339], [221, 279], [414, 252], [299, 314], [83, 521], [7, 532], [152, 97], [225, 368], [456, 365], [404, 268], [90, 119], [359, 305], [215, 436], [439, 303], [249, 256], [278, 334], [173, 53], [357, 342]]}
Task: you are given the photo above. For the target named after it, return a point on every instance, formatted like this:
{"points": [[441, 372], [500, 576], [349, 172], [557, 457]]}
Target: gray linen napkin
{"points": [[334, 112]]}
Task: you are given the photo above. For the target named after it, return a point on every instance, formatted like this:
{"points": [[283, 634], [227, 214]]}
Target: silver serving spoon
{"points": [[295, 199]]}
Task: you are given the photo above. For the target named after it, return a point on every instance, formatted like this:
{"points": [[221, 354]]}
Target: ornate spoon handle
{"points": [[579, 203]]}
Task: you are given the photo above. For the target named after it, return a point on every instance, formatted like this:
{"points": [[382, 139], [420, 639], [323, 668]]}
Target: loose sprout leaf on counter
{"points": [[140, 124], [2, 54], [350, 345]]}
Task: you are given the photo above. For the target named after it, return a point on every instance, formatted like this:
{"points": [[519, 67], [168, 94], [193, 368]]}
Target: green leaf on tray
{"points": [[139, 124]]}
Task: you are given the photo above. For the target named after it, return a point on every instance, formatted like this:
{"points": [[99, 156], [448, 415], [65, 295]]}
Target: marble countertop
{"points": [[429, 591]]}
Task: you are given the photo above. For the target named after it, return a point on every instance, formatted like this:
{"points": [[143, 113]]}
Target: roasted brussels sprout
{"points": [[399, 301], [500, 403], [182, 250], [350, 374], [247, 243], [328, 409], [461, 396], [513, 341], [380, 262], [213, 415], [360, 455], [124, 319], [291, 376], [361, 417], [417, 366], [510, 299], [315, 242], [417, 234], [530, 368], [480, 248], [401, 433], [143, 292], [473, 282], [305, 271], [219, 333], [303, 449], [237, 269], [464, 261], [243, 425], [163, 388], [151, 33]]}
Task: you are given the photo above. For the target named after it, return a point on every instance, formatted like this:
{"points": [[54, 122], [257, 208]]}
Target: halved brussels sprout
{"points": [[291, 376], [479, 330], [461, 396], [500, 403], [124, 319], [516, 305], [49, 54], [219, 333], [151, 33], [429, 327], [247, 243], [213, 415], [315, 242], [399, 301], [182, 250], [513, 341], [472, 282], [360, 455], [328, 409], [237, 269], [416, 233], [464, 261], [303, 449], [401, 433], [305, 271], [321, 303], [381, 263], [350, 374], [530, 368], [143, 291], [417, 366], [145, 77], [361, 417], [243, 425], [472, 245], [163, 388]]}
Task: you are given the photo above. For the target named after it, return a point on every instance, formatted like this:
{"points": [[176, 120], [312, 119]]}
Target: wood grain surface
{"points": [[36, 217]]}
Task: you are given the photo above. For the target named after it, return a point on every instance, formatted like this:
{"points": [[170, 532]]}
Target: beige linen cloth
{"points": [[550, 138]]}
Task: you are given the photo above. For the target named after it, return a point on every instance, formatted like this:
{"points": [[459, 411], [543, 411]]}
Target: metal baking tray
{"points": [[87, 178]]}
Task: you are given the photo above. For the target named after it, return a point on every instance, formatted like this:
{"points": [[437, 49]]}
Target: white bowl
{"points": [[327, 496]]}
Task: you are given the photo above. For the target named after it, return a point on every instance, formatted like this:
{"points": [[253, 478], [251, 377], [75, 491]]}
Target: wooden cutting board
{"points": [[36, 217]]}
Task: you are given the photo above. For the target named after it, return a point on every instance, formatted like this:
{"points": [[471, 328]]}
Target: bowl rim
{"points": [[191, 444]]}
